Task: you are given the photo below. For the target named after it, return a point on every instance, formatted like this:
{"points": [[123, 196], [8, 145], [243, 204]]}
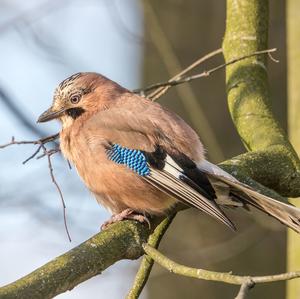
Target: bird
{"points": [[140, 159]]}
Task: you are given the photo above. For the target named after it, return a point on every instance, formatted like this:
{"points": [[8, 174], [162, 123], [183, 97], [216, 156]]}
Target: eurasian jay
{"points": [[140, 159]]}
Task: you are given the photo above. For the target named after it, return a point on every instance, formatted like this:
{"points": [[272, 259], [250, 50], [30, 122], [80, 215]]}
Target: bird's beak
{"points": [[50, 114]]}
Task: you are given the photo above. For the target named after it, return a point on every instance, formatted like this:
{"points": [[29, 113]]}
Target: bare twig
{"points": [[162, 90], [43, 140], [206, 73], [48, 154], [212, 275], [38, 142], [272, 58], [186, 94], [33, 155]]}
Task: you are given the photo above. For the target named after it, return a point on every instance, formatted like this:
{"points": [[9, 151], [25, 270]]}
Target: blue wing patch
{"points": [[134, 159]]}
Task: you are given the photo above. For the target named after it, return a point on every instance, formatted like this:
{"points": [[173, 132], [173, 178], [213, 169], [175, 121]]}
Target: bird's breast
{"points": [[115, 186]]}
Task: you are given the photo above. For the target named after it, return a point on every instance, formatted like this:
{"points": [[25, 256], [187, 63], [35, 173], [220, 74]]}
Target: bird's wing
{"points": [[159, 169], [145, 137], [285, 213], [140, 125]]}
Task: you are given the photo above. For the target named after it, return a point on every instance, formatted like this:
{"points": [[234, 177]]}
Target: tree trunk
{"points": [[293, 79]]}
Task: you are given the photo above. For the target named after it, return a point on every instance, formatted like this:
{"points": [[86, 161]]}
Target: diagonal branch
{"points": [[122, 240], [244, 289], [156, 94], [147, 262], [186, 94]]}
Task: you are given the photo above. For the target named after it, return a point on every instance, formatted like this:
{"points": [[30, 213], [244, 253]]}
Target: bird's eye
{"points": [[75, 99]]}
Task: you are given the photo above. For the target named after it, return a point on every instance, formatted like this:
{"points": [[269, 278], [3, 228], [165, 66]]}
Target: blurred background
{"points": [[135, 43]]}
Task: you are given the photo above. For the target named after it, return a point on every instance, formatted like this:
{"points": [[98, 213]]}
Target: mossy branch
{"points": [[272, 161], [229, 278], [122, 240], [147, 262], [245, 282]]}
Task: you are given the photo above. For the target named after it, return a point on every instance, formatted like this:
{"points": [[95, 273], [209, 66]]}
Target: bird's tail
{"points": [[285, 213]]}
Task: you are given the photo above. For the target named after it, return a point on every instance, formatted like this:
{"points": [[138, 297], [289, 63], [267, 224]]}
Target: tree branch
{"points": [[273, 161], [147, 262], [180, 79], [229, 278], [185, 92], [244, 289], [43, 140], [156, 94], [122, 240]]}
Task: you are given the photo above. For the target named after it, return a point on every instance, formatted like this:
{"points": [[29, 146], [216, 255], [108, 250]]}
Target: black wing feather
{"points": [[170, 177]]}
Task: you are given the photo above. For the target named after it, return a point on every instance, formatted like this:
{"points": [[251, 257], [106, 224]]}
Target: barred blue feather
{"points": [[134, 159]]}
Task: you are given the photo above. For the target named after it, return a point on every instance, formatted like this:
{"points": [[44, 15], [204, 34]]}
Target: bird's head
{"points": [[78, 94]]}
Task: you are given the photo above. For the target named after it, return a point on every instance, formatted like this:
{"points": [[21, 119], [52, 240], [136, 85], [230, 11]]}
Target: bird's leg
{"points": [[125, 214]]}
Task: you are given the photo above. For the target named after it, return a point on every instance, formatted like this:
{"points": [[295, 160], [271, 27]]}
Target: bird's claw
{"points": [[125, 214]]}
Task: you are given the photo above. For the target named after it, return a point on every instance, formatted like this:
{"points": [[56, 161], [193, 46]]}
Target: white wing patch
{"points": [[170, 181], [285, 213], [222, 189], [208, 167]]}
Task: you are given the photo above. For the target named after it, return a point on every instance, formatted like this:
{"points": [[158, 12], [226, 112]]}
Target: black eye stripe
{"points": [[75, 112]]}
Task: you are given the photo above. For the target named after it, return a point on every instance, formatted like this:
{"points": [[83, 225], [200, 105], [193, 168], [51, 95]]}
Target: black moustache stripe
{"points": [[75, 112]]}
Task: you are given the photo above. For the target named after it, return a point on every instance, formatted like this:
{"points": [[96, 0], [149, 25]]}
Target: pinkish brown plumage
{"points": [[139, 158]]}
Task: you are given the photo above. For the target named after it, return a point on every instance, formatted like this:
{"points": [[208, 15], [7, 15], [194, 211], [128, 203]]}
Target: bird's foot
{"points": [[126, 214], [140, 218]]}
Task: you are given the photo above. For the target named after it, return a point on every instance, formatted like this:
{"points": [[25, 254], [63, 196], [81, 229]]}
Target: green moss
{"points": [[273, 162], [121, 241]]}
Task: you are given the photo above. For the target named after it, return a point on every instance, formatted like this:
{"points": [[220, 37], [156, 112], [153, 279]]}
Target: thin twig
{"points": [[48, 154], [212, 275], [205, 73], [272, 58], [162, 90], [187, 96], [41, 146], [33, 155], [43, 140], [38, 142]]}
